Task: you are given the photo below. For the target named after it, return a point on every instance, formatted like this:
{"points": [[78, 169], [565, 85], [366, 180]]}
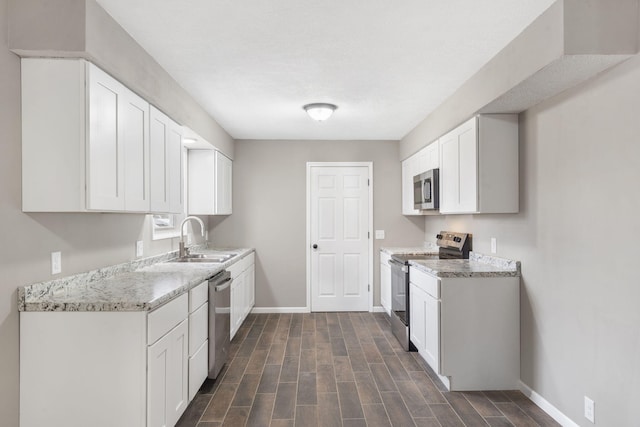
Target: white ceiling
{"points": [[253, 64]]}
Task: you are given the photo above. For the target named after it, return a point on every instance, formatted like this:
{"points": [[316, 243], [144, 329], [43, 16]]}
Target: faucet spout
{"points": [[185, 251]]}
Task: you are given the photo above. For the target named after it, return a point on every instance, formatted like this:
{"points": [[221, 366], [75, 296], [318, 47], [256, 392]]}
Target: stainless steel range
{"points": [[451, 245]]}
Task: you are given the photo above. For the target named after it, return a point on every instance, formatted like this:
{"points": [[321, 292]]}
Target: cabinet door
{"points": [[250, 292], [417, 307], [432, 155], [202, 178], [178, 372], [431, 349], [409, 167], [385, 285], [223, 187], [159, 177], [198, 369], [165, 163], [237, 303], [105, 154], [459, 169], [468, 161], [174, 167], [449, 173], [167, 381], [133, 121], [422, 161]]}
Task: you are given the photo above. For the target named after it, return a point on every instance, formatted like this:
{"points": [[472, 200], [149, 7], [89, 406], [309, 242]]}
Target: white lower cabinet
{"points": [[385, 282], [105, 369], [242, 291], [167, 370], [417, 322], [198, 337], [467, 329]]}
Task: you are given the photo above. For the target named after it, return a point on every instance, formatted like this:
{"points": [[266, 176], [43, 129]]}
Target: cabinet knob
{"points": [[315, 246]]}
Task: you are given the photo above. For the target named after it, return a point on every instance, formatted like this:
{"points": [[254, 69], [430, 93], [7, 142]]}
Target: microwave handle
{"points": [[424, 185]]}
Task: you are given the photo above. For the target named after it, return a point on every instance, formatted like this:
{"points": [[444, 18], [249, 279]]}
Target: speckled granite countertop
{"points": [[478, 265], [417, 250], [139, 285]]}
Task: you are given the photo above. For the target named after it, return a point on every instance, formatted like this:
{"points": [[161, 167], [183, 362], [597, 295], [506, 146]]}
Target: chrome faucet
{"points": [[185, 251]]}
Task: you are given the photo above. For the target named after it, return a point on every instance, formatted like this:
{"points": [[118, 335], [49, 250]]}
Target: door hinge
{"points": [[368, 183], [368, 234], [368, 288]]}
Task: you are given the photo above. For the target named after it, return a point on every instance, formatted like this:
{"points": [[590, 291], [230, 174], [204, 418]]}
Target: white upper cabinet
{"points": [[210, 183], [223, 186], [426, 159], [479, 166], [134, 130], [85, 142], [165, 164]]}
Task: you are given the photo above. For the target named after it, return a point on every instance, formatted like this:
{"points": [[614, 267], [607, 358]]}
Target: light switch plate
{"points": [[589, 409], [56, 262], [139, 248], [379, 234]]}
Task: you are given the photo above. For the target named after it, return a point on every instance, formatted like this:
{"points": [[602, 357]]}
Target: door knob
{"points": [[315, 246]]}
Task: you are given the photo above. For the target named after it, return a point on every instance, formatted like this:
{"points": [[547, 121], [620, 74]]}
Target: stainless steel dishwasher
{"points": [[219, 321]]}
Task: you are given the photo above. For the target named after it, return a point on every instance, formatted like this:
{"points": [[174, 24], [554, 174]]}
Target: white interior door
{"points": [[339, 227]]}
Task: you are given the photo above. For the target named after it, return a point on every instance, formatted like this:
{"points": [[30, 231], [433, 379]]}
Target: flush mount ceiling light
{"points": [[319, 111], [189, 140]]}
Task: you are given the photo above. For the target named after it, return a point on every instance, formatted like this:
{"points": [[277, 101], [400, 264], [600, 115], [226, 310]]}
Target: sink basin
{"points": [[212, 258]]}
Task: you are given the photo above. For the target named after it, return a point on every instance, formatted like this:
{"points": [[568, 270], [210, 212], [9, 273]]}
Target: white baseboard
{"points": [[546, 406], [262, 310]]}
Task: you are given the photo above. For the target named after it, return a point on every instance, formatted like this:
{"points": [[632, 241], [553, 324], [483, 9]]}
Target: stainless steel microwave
{"points": [[425, 190]]}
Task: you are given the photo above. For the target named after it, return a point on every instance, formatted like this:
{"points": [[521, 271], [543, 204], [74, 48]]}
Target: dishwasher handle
{"points": [[224, 285]]}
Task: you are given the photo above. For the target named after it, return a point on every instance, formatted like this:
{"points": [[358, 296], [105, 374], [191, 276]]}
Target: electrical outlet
{"points": [[494, 245], [56, 262], [589, 409], [379, 234], [139, 248]]}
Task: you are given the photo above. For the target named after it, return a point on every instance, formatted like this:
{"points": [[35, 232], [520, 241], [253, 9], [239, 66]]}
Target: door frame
{"points": [[369, 166]]}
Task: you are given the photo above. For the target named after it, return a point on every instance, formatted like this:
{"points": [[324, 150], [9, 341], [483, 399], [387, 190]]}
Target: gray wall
{"points": [[577, 235], [87, 241], [269, 206]]}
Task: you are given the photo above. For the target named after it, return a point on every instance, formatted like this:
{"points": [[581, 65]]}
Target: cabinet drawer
{"points": [[424, 281], [198, 327], [163, 319], [198, 296], [198, 369], [242, 265]]}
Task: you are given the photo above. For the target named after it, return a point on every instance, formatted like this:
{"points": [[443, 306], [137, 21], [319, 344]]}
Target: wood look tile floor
{"points": [[340, 369]]}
